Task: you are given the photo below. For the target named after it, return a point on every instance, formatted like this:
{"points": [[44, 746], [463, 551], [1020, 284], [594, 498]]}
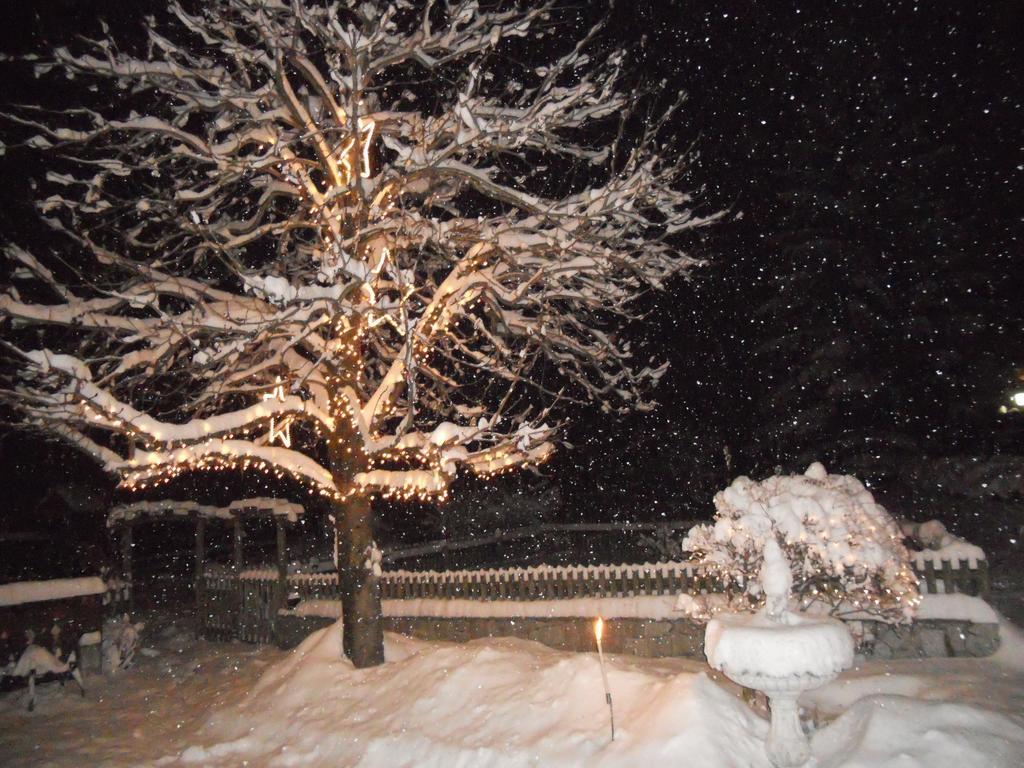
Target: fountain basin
{"points": [[752, 645], [782, 658]]}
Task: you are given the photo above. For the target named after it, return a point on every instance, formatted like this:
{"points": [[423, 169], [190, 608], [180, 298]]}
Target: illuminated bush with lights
{"points": [[845, 550]]}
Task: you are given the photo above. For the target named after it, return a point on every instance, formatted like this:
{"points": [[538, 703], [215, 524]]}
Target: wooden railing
{"points": [[76, 612], [937, 576], [550, 582], [250, 601]]}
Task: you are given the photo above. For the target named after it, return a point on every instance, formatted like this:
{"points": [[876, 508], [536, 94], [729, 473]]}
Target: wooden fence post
{"points": [[239, 553], [982, 579], [282, 568], [200, 591], [126, 563], [949, 582], [929, 578]]}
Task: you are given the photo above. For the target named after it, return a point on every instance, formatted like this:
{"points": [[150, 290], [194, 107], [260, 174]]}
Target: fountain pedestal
{"points": [[780, 653]]}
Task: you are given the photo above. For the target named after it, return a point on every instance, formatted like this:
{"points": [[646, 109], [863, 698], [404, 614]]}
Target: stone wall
{"points": [[657, 638], [934, 638], [638, 637]]}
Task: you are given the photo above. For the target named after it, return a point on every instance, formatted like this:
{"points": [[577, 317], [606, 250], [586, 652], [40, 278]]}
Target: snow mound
{"points": [[500, 702], [904, 732], [957, 607], [639, 607], [510, 704], [1011, 646]]}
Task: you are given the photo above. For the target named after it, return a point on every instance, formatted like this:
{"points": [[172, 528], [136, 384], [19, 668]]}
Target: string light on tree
{"points": [[282, 432]]}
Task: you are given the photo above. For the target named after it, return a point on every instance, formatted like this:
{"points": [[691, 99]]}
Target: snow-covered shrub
{"points": [[845, 551]]}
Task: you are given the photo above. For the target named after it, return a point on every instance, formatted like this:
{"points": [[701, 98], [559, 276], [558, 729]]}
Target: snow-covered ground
{"points": [[137, 716], [502, 703]]}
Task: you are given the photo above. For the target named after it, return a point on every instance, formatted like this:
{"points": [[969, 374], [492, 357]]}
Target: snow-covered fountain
{"points": [[781, 654], [805, 546]]}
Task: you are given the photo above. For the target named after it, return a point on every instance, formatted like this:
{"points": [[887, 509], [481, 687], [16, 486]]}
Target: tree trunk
{"points": [[360, 591], [363, 639]]}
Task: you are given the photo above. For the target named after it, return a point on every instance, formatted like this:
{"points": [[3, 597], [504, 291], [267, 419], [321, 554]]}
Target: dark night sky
{"points": [[859, 305], [863, 308]]}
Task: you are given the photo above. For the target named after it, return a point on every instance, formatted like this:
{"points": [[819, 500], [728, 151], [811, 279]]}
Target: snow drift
{"points": [[511, 703]]}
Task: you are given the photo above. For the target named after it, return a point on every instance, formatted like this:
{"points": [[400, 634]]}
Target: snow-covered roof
{"points": [[172, 507]]}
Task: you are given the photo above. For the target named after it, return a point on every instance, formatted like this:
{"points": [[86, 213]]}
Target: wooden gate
{"points": [[259, 603], [218, 607]]}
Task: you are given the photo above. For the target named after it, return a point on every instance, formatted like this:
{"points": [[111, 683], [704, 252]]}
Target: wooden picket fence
{"points": [[945, 576], [219, 606], [246, 605], [626, 580], [549, 583]]}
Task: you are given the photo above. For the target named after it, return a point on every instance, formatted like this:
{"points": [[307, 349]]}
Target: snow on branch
{"points": [[277, 234]]}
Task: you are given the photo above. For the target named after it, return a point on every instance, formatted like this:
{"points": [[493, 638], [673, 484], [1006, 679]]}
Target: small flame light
{"points": [[598, 634]]}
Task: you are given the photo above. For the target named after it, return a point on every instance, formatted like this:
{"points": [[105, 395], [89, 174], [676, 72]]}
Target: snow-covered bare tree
{"points": [[359, 244]]}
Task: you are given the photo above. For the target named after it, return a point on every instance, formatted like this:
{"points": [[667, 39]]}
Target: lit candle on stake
{"points": [[598, 632]]}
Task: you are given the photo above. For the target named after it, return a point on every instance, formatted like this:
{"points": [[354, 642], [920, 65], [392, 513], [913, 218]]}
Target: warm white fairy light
{"points": [[284, 431], [366, 130], [154, 475]]}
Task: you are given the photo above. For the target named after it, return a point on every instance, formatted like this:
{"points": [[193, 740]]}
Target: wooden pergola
{"points": [[122, 519]]}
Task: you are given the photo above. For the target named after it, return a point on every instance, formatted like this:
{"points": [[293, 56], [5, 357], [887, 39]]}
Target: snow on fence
{"points": [[662, 530], [623, 580], [57, 611], [23, 592], [246, 605], [519, 584], [938, 575], [111, 593]]}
